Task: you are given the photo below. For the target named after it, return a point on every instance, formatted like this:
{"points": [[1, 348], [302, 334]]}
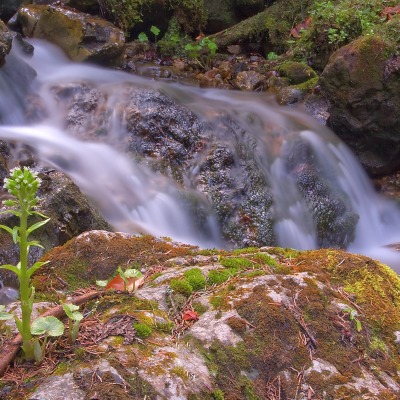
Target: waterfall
{"points": [[133, 198]]}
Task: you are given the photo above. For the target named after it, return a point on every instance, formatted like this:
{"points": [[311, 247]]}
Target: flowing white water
{"points": [[135, 199]]}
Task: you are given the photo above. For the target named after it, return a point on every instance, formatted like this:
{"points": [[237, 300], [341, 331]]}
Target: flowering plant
{"points": [[23, 184]]}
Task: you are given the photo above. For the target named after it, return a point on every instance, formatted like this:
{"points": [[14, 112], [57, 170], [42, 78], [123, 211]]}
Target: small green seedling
{"points": [[155, 31], [47, 326], [272, 56], [75, 318], [143, 38], [125, 281], [4, 315], [23, 184], [353, 317], [202, 51]]}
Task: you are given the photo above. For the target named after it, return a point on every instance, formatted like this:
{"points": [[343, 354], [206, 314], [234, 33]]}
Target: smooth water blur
{"points": [[134, 199]]}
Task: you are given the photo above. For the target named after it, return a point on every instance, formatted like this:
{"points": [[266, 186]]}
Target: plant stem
{"points": [[25, 290]]}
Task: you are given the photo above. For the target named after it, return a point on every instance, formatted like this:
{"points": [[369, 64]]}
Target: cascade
{"points": [[133, 198]]}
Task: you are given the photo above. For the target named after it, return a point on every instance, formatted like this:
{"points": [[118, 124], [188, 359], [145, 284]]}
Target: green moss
{"points": [[166, 327], [142, 330], [296, 72], [123, 14], [252, 274], [307, 86], [200, 308], [181, 286], [218, 395], [195, 278], [264, 258], [377, 344], [218, 276], [180, 372], [236, 262], [189, 14], [247, 250]]}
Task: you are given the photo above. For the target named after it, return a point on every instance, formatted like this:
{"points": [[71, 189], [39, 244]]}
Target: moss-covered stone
{"points": [[296, 72], [361, 82], [264, 332], [81, 36]]}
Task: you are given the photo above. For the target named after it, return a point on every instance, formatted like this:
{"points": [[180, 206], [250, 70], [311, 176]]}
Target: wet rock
{"points": [[219, 173], [361, 81], [276, 313], [88, 6], [249, 80], [332, 214], [296, 72], [289, 95], [59, 388], [83, 37], [5, 42]]}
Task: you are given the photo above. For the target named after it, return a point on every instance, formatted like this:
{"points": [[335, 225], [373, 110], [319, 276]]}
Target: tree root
{"points": [[9, 351]]}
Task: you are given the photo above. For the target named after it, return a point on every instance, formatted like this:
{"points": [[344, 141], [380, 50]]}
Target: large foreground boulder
{"points": [[83, 37], [362, 82], [248, 324]]}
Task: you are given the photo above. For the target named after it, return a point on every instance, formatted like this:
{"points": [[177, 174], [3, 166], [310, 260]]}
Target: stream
{"points": [[135, 199]]}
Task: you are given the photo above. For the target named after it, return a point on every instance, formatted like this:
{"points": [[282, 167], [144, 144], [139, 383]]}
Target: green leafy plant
{"points": [[23, 184], [344, 20], [47, 326], [272, 56], [143, 38], [202, 51], [128, 273], [352, 313], [75, 318], [4, 315], [155, 31]]}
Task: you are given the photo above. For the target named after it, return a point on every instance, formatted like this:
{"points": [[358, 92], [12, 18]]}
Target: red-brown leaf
{"points": [[295, 32], [190, 315], [117, 283]]}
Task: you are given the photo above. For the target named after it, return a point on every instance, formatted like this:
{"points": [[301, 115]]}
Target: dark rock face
{"points": [[221, 15], [362, 82], [5, 42], [83, 37], [329, 206], [170, 139], [8, 8]]}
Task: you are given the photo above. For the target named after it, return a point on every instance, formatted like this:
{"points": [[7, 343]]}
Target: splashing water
{"points": [[134, 199]]}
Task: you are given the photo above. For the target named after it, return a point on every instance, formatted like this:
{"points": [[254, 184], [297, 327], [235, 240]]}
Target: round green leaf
{"points": [[4, 315], [132, 273], [50, 326]]}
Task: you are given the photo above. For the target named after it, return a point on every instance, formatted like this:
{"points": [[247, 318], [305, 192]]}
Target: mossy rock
{"points": [[296, 72], [328, 309], [82, 37], [362, 83]]}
